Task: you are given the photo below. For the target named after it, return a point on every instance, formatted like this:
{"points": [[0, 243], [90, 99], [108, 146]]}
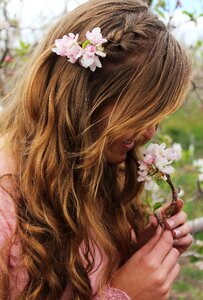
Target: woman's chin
{"points": [[116, 159]]}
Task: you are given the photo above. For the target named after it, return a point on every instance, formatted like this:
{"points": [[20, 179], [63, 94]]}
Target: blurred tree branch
{"points": [[196, 224], [6, 39], [197, 90]]}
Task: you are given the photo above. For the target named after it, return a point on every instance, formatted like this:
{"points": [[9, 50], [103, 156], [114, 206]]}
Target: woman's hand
{"points": [[180, 230], [176, 223], [149, 274]]}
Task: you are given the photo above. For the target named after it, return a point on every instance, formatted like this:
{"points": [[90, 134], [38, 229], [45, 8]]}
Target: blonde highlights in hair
{"points": [[70, 195]]}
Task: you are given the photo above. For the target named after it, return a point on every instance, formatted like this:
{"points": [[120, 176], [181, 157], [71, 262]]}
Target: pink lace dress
{"points": [[19, 275]]}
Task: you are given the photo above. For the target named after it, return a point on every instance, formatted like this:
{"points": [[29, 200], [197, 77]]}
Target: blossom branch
{"points": [[156, 166], [173, 189]]}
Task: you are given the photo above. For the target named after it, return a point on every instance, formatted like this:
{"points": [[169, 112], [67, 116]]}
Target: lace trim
{"points": [[113, 294]]}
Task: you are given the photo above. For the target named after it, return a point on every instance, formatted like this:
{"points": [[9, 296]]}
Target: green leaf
{"points": [[23, 49], [159, 181], [198, 44], [187, 13], [161, 3], [194, 259], [24, 46], [84, 45], [159, 12], [192, 16], [166, 139], [157, 205]]}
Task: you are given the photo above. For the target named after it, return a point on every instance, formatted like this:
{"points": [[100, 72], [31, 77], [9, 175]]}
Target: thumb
{"points": [[148, 232], [153, 223], [150, 244], [172, 208]]}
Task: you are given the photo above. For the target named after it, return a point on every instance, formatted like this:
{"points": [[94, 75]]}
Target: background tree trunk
{"points": [[196, 225]]}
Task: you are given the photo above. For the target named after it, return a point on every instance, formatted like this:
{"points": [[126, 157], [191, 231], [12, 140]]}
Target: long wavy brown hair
{"points": [[54, 127]]}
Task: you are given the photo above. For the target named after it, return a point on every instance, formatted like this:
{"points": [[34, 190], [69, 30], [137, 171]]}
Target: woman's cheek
{"points": [[149, 133]]}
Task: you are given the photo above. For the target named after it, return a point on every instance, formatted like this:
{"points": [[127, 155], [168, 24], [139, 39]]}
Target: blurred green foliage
{"points": [[186, 127], [23, 49]]}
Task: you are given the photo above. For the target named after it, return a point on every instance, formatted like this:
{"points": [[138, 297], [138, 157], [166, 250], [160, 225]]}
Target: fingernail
{"points": [[177, 232], [159, 230], [181, 200], [180, 203], [170, 223]]}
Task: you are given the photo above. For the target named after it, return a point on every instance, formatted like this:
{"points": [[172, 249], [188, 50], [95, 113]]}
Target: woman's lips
{"points": [[128, 144]]}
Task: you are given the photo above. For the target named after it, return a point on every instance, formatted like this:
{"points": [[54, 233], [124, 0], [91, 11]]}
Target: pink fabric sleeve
{"points": [[108, 293], [8, 192], [7, 211], [112, 294]]}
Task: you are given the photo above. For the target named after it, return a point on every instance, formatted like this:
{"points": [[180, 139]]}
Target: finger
{"points": [[153, 221], [170, 260], [176, 220], [150, 244], [170, 278], [151, 227], [162, 247], [179, 205], [148, 232], [173, 274], [181, 231], [184, 241]]}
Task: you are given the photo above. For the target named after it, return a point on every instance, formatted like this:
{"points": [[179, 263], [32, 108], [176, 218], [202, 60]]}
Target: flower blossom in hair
{"points": [[95, 37], [88, 54], [68, 46]]}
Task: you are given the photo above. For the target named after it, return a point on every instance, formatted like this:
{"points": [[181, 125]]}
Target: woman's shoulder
{"points": [[8, 194], [7, 162], [8, 186], [7, 215]]}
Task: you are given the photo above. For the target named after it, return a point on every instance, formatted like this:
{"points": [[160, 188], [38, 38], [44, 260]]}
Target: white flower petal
{"points": [[201, 177], [168, 169], [149, 185], [140, 179], [198, 163]]}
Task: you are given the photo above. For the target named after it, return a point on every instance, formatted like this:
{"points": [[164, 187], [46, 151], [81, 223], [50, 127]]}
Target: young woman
{"points": [[72, 222]]}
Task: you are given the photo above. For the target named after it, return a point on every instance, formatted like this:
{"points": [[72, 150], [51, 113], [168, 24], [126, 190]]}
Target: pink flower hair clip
{"points": [[88, 54]]}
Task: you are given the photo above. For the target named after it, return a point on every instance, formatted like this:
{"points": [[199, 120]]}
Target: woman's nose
{"points": [[150, 132]]}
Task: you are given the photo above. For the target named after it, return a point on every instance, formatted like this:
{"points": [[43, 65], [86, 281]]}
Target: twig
{"points": [[173, 189], [6, 33]]}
